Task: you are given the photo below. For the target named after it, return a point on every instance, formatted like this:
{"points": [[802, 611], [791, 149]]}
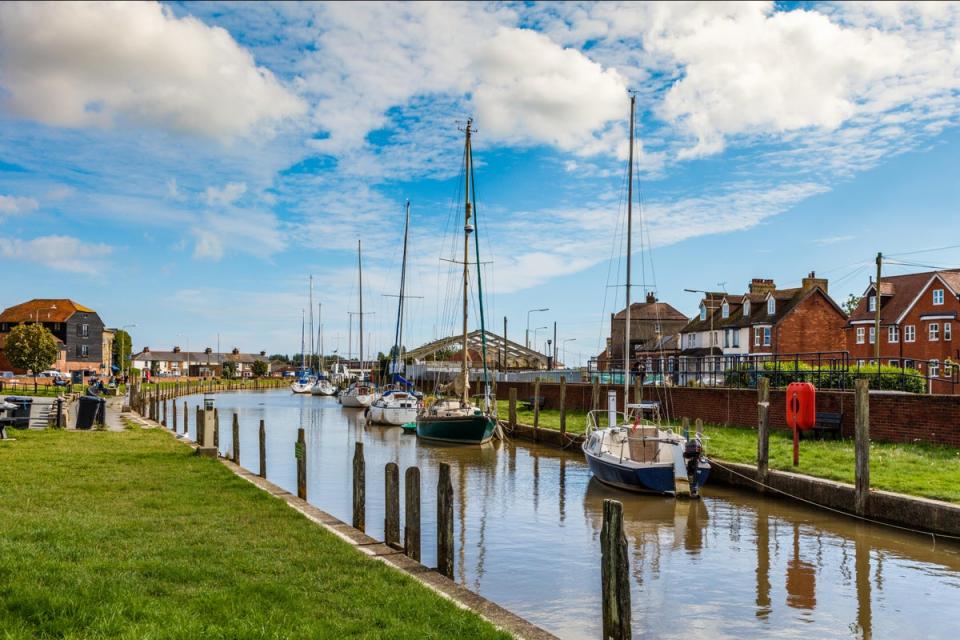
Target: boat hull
{"points": [[395, 416], [355, 401], [473, 429], [300, 387], [655, 478]]}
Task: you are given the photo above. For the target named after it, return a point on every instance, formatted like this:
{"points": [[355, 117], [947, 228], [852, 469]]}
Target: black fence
{"points": [[825, 369]]}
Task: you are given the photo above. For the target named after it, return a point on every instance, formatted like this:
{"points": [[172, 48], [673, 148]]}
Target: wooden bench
{"points": [[827, 424]]}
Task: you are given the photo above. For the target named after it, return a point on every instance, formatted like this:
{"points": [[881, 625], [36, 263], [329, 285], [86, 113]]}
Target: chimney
{"points": [[263, 354], [762, 285], [208, 350], [146, 349], [812, 281], [651, 298], [176, 349], [235, 351]]}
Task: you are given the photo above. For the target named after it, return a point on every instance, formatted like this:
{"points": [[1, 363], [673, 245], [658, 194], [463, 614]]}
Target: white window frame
{"points": [[893, 334], [933, 368], [909, 333], [756, 336], [872, 303], [861, 335], [767, 336], [736, 338], [746, 309], [84, 351], [894, 363], [938, 297], [771, 306], [947, 331], [872, 334], [703, 312], [725, 310], [933, 332]]}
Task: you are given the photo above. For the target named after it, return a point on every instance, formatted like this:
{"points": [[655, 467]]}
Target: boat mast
{"points": [[626, 333], [360, 272], [319, 338], [467, 228], [311, 322], [302, 349], [398, 336]]}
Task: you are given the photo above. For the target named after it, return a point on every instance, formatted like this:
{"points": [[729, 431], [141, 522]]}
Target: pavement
{"points": [[114, 409]]}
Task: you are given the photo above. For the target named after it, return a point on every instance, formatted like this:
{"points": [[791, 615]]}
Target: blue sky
{"points": [[186, 167]]}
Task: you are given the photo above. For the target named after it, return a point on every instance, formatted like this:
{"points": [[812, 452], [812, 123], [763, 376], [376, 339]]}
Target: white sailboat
{"points": [[304, 382], [323, 386], [359, 394], [397, 405]]}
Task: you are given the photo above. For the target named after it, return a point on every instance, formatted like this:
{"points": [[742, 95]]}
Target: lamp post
{"points": [[535, 336], [527, 339], [563, 350]]}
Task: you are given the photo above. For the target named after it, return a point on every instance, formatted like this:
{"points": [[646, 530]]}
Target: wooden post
{"points": [[391, 492], [563, 406], [216, 430], [614, 573], [862, 418], [685, 427], [763, 429], [200, 429], [186, 418], [359, 489], [263, 450], [173, 408], [445, 522], [595, 395], [164, 421], [698, 424], [411, 529], [637, 388], [513, 409], [236, 439], [536, 409], [301, 453]]}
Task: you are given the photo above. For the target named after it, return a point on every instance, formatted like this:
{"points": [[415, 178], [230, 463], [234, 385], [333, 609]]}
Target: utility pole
{"points": [[876, 321], [503, 366], [554, 344]]}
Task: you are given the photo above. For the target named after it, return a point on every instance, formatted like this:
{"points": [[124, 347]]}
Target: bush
{"points": [[783, 373]]}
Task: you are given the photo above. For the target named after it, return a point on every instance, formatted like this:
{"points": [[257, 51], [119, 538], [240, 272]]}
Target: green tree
{"points": [[851, 303], [32, 347], [259, 368], [229, 369], [122, 348]]}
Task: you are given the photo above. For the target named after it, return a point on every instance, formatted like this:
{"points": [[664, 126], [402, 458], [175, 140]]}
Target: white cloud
{"points": [[226, 195], [78, 64], [63, 253], [834, 239], [252, 232], [17, 204]]}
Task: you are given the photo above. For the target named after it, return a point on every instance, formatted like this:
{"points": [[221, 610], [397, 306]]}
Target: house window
{"points": [[893, 334], [726, 338], [860, 363], [873, 335], [83, 330], [766, 336], [934, 368], [756, 337], [947, 369], [725, 310], [83, 351], [746, 308], [909, 333], [736, 338], [670, 364], [771, 306], [872, 304], [861, 332], [894, 363], [909, 364], [938, 296], [703, 312], [934, 332], [948, 331]]}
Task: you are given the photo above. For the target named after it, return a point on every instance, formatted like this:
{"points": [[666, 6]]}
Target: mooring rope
{"points": [[932, 535]]}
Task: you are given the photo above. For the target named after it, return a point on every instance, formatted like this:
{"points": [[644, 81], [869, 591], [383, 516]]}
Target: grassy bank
{"points": [[549, 418], [129, 535]]}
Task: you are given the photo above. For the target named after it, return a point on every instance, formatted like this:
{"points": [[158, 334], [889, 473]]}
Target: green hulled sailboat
{"points": [[456, 419]]}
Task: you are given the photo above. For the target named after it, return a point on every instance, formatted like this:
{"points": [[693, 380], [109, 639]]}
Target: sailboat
{"points": [[304, 382], [457, 419], [361, 393], [397, 405], [633, 453], [323, 386]]}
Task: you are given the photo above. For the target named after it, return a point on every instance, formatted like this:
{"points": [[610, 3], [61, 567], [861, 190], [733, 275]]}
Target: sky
{"points": [[186, 167]]}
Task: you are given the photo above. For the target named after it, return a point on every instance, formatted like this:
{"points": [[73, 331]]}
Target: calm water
{"points": [[528, 522]]}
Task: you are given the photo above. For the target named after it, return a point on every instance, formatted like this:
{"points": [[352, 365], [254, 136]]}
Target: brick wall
{"points": [[894, 417]]}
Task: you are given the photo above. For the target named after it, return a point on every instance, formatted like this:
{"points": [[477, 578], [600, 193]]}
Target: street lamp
{"points": [[563, 349], [535, 336], [527, 339]]}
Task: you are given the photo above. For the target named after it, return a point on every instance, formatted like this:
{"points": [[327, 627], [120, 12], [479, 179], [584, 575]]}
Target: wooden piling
{"points": [[685, 426], [164, 420], [513, 409], [763, 430], [216, 430], [236, 438], [563, 406], [445, 522], [263, 450], [200, 429], [698, 424], [359, 489], [411, 529], [536, 409], [173, 408], [186, 418], [614, 573], [862, 421], [391, 492], [595, 395], [301, 453]]}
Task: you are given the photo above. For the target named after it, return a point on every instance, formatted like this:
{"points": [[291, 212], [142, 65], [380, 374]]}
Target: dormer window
{"points": [[746, 308], [703, 312], [725, 310], [872, 303], [771, 306], [938, 296]]}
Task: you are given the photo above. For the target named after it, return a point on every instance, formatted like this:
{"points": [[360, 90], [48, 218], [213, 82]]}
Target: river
{"points": [[528, 519]]}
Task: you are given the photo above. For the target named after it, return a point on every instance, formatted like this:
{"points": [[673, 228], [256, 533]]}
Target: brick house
{"points": [[84, 342], [204, 363], [649, 321], [918, 318]]}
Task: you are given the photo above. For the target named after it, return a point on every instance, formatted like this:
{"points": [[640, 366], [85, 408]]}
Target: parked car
{"points": [[51, 373], [7, 374]]}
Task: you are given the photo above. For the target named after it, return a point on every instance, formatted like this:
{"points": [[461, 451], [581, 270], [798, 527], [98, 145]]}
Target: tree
{"points": [[259, 368], [122, 348], [851, 304], [280, 357], [229, 369], [32, 347]]}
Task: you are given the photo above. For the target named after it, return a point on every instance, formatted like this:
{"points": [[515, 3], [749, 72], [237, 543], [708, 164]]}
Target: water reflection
{"points": [[528, 520]]}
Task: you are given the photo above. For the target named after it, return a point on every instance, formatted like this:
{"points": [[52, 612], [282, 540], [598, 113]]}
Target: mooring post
{"points": [[216, 430], [614, 573], [445, 522], [862, 417], [359, 489], [595, 395], [698, 425], [391, 492], [186, 418], [301, 453], [198, 414], [685, 427], [563, 406], [513, 409], [173, 408], [164, 421], [763, 430], [236, 438], [536, 409], [411, 529], [263, 450]]}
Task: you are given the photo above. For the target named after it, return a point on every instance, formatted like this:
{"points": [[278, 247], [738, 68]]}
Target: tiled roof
{"points": [[651, 311], [786, 299], [40, 308], [197, 357], [905, 289]]}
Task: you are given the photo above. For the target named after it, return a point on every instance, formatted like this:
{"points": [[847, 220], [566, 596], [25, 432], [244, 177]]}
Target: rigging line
{"points": [[915, 264], [616, 234], [932, 250]]}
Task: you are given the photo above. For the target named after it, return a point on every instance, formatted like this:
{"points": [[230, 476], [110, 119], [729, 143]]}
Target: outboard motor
{"points": [[691, 456]]}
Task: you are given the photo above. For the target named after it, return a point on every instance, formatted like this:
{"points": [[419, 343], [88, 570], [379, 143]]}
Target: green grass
{"points": [[129, 535], [549, 418], [925, 470]]}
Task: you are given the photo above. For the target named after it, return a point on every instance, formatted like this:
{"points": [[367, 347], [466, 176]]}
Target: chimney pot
{"points": [[235, 351], [651, 298], [176, 349]]}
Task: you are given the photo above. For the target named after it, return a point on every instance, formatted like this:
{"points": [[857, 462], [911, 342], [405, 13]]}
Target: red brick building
{"points": [[918, 319]]}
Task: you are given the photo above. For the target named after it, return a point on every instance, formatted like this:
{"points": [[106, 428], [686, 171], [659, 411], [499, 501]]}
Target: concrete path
{"points": [[112, 419]]}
